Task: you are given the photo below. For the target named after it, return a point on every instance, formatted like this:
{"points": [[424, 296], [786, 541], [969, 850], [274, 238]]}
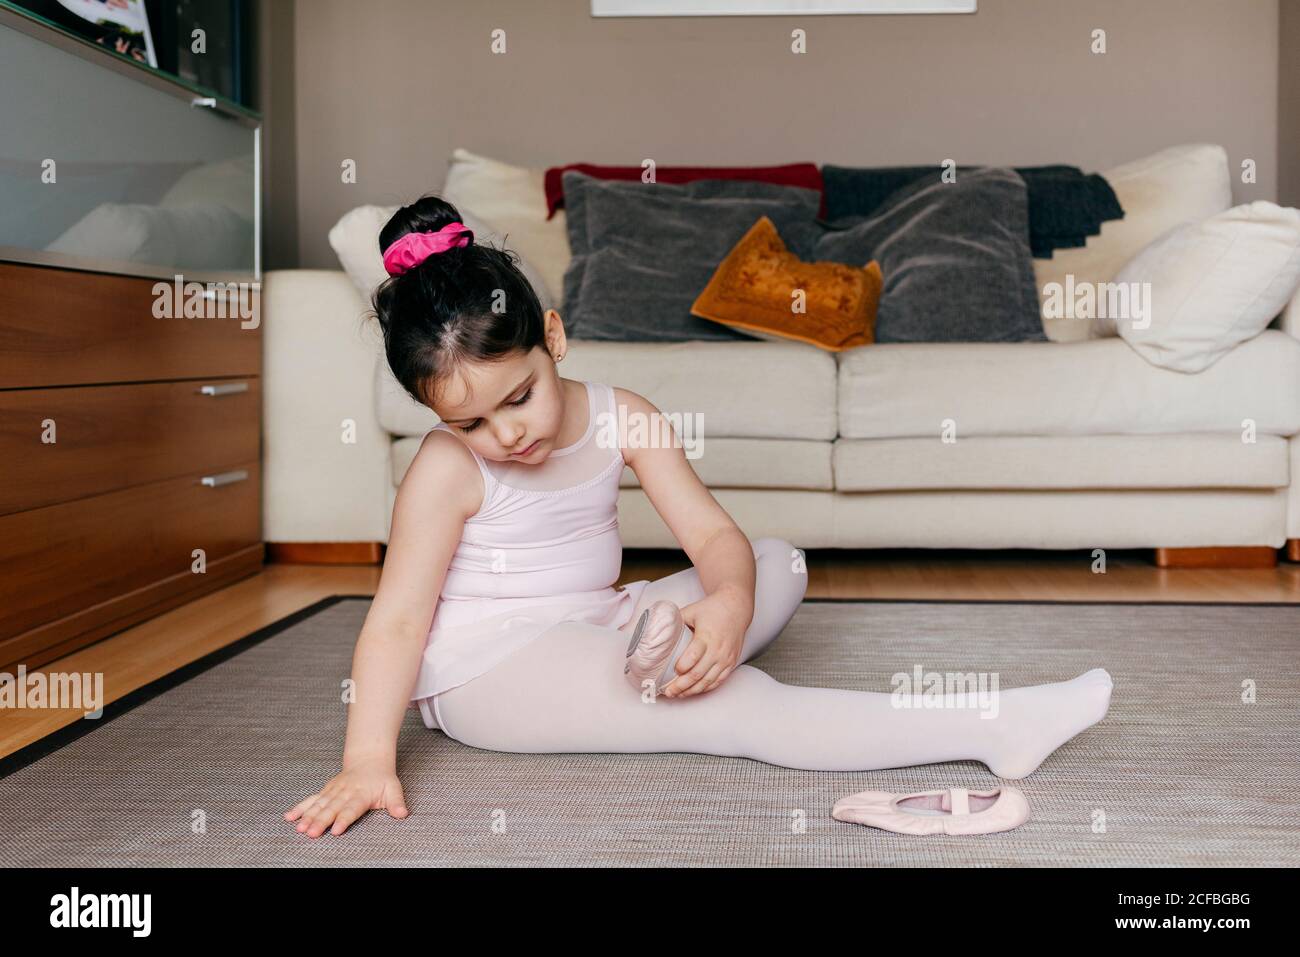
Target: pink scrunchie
{"points": [[414, 248]]}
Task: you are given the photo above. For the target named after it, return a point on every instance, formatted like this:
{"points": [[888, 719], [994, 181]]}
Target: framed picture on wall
{"points": [[715, 8]]}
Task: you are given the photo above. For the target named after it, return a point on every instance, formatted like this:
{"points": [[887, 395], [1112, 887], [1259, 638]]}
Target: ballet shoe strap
{"points": [[960, 801]]}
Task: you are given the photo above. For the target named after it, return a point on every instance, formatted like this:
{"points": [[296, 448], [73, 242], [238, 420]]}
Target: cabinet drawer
{"points": [[57, 561], [114, 436], [64, 327]]}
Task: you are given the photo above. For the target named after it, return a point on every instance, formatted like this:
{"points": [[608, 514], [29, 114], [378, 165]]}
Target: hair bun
{"points": [[428, 214], [449, 313]]}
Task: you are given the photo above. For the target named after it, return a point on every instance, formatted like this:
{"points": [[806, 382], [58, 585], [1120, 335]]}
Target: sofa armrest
{"points": [[325, 457], [1288, 319]]}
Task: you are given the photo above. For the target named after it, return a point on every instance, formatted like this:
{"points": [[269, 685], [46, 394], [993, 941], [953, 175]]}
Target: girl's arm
{"points": [[441, 489], [715, 544], [712, 540], [428, 519]]}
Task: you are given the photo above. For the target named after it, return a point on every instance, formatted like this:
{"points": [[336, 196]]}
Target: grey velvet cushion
{"points": [[955, 258], [643, 252]]}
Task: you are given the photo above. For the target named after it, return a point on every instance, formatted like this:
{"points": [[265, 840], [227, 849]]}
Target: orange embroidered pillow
{"points": [[753, 290]]}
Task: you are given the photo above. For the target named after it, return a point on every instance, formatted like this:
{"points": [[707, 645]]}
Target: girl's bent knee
{"points": [[781, 567], [770, 544], [778, 550]]}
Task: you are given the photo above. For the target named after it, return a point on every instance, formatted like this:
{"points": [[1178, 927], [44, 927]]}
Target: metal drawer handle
{"points": [[204, 101], [224, 478], [226, 388]]}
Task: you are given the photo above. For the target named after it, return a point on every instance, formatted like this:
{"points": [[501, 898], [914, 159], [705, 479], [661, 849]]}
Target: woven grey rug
{"points": [[1181, 772]]}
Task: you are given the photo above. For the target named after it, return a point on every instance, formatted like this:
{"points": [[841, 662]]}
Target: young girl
{"points": [[505, 539]]}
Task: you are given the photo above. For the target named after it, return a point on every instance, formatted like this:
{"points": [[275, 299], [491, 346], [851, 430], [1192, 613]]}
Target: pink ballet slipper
{"points": [[659, 638], [952, 811]]}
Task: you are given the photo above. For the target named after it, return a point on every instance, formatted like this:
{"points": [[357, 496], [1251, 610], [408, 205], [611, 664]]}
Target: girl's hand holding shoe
{"points": [[719, 622]]}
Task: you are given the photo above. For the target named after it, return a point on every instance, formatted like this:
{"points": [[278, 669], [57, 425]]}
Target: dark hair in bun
{"points": [[467, 304]]}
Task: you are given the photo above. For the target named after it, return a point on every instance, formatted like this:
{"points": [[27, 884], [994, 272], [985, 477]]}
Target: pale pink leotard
{"points": [[542, 548]]}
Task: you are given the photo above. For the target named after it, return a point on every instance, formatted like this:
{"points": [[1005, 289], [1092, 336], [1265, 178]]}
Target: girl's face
{"points": [[506, 408]]}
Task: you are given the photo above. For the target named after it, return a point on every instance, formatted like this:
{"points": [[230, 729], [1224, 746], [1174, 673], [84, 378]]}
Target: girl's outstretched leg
{"points": [[564, 692]]}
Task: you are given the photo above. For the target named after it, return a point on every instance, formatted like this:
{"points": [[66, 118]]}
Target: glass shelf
{"points": [[103, 56], [121, 170]]}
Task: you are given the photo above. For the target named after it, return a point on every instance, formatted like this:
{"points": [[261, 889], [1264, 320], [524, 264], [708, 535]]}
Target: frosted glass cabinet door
{"points": [[100, 170]]}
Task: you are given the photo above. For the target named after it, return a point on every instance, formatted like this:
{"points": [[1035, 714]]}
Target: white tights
{"points": [[565, 692]]}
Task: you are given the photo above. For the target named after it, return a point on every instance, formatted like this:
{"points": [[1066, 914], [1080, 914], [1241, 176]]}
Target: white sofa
{"points": [[1067, 444]]}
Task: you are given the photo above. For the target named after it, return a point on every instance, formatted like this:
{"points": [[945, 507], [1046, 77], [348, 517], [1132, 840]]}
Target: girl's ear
{"points": [[546, 319]]}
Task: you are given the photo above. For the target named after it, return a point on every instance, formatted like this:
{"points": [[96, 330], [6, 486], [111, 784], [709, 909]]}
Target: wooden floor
{"points": [[139, 655]]}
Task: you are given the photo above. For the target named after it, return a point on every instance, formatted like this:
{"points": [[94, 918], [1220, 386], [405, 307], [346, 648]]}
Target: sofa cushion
{"points": [[955, 258], [1097, 387], [759, 463], [769, 390], [1212, 285], [1158, 192], [753, 290], [751, 389], [1035, 518], [1204, 460], [512, 200], [355, 240], [642, 252], [725, 463], [805, 175], [1066, 206]]}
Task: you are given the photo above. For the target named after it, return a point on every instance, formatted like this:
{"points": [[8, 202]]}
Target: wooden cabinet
{"points": [[130, 450]]}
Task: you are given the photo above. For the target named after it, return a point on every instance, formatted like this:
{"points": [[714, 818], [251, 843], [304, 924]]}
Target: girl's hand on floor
{"points": [[719, 625], [358, 788]]}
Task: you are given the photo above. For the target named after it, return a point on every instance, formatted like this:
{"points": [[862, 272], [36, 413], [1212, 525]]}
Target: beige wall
{"points": [[396, 84], [1288, 107]]}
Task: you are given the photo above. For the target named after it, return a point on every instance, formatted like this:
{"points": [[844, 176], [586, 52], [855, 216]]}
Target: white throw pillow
{"points": [[513, 200], [1213, 285], [1158, 192], [355, 239]]}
